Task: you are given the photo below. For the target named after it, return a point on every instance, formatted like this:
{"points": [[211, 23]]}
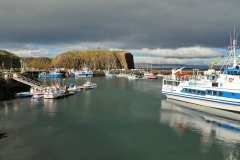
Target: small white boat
{"points": [[152, 76], [24, 94], [89, 85], [149, 75], [53, 93], [109, 75], [37, 93], [74, 88], [122, 75], [132, 77]]}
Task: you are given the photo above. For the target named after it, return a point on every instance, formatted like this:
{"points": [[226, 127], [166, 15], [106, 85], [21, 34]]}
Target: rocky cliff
{"points": [[95, 59]]}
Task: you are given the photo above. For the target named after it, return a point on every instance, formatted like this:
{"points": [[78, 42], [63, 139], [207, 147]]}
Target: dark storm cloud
{"points": [[131, 23]]}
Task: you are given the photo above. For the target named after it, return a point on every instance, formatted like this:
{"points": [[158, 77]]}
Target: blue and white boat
{"points": [[55, 73], [216, 89], [51, 75], [84, 73]]}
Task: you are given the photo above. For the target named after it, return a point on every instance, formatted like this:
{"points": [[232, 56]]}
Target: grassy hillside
{"points": [[9, 60], [39, 63]]}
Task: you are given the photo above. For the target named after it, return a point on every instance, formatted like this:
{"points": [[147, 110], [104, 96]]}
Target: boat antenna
{"points": [[228, 60]]}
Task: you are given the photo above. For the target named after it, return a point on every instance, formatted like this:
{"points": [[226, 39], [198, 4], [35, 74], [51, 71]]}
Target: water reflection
{"points": [[3, 135], [7, 107], [212, 129], [50, 106]]}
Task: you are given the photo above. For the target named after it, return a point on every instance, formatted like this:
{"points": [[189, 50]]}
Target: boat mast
{"points": [[234, 47]]}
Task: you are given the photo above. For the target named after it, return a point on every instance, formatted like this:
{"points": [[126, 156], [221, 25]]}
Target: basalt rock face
{"points": [[38, 63], [9, 60], [94, 59]]}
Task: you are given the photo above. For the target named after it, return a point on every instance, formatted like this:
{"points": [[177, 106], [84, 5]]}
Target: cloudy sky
{"points": [[158, 31]]}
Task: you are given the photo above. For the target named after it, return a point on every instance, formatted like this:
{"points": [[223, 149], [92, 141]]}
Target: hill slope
{"points": [[9, 60], [39, 63]]}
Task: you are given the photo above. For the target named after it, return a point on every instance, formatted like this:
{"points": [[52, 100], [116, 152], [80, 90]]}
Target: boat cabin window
{"points": [[209, 92], [220, 93], [214, 93], [223, 94], [193, 91]]}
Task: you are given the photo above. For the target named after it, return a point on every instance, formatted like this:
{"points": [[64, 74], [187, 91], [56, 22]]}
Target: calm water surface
{"points": [[121, 119]]}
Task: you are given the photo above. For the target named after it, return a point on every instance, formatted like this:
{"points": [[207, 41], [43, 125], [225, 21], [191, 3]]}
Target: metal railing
{"points": [[27, 81]]}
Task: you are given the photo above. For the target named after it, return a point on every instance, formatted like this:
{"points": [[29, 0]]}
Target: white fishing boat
{"points": [[108, 74], [132, 77], [37, 92], [149, 75], [146, 75], [74, 88], [214, 89], [53, 93], [122, 74], [89, 85]]}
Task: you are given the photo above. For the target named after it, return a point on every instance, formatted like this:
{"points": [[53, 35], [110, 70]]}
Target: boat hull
{"points": [[53, 96], [37, 96], [51, 75], [23, 95], [202, 102], [59, 75]]}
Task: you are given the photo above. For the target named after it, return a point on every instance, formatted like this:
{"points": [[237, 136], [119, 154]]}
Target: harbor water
{"points": [[119, 120]]}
